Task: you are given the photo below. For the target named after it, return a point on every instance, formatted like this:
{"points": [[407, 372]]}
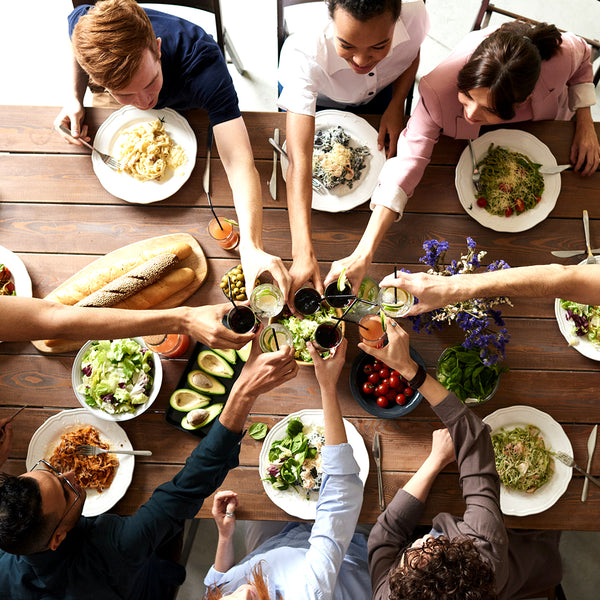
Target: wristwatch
{"points": [[417, 381]]}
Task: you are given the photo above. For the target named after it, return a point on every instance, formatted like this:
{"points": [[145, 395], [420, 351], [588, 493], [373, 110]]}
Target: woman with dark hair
{"points": [[363, 58], [518, 72]]}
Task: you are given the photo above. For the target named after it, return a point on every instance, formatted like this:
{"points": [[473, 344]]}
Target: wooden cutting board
{"points": [[196, 261]]}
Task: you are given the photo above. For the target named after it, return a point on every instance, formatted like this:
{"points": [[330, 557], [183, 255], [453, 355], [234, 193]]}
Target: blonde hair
{"points": [[110, 40], [256, 579]]}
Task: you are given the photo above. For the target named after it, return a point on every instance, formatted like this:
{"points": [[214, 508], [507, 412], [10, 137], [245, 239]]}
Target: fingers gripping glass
{"points": [[42, 465]]}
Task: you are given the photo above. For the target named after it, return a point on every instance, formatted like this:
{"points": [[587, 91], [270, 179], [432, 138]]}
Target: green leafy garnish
{"points": [[258, 431]]}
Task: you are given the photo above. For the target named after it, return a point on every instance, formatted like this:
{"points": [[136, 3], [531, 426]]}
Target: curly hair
{"points": [[443, 569], [363, 10], [23, 528], [109, 42], [508, 62]]}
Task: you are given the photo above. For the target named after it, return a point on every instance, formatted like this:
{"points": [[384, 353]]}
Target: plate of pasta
{"points": [[514, 196], [345, 160], [524, 439], [105, 477], [156, 147]]}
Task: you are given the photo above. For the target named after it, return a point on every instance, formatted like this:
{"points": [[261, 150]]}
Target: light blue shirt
{"points": [[323, 561]]}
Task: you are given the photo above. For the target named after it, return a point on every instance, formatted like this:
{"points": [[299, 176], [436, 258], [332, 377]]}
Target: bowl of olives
{"points": [[235, 275]]}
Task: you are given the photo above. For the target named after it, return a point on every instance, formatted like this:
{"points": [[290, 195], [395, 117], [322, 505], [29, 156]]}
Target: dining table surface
{"points": [[57, 217]]}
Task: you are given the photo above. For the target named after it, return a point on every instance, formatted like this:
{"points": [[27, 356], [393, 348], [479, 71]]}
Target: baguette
{"points": [[92, 281], [132, 282]]}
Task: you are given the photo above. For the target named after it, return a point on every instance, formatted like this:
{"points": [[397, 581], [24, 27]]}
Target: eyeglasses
{"points": [[43, 465]]}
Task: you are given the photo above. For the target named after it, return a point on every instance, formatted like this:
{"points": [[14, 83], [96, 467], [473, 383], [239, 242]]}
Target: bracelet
{"points": [[417, 381]]}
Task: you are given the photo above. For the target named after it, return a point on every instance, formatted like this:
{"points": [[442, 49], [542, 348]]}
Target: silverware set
{"points": [[591, 446], [108, 160], [87, 450], [476, 176], [591, 259], [377, 456]]}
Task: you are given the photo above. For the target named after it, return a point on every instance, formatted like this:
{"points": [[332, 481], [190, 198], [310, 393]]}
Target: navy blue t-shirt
{"points": [[194, 71]]}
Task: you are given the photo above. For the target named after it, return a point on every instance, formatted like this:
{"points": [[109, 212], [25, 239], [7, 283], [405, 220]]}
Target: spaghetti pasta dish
{"points": [[147, 151], [334, 160], [510, 182], [522, 460], [95, 472]]}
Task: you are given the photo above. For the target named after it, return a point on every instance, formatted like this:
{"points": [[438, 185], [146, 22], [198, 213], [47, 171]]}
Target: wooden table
{"points": [[57, 217]]}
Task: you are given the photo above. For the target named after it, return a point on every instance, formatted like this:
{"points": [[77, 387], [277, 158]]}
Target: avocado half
{"points": [[204, 383], [212, 411], [244, 352], [185, 400], [215, 365], [229, 355]]}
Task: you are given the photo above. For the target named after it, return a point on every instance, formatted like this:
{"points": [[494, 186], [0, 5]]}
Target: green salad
{"points": [[303, 328], [585, 319], [116, 375]]}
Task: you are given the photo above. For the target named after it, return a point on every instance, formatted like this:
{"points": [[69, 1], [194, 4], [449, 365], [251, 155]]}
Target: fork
{"points": [[567, 460], [590, 260], [476, 174], [87, 450], [108, 160]]}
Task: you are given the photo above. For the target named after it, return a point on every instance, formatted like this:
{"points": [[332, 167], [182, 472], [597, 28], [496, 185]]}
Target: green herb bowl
{"points": [[469, 401]]}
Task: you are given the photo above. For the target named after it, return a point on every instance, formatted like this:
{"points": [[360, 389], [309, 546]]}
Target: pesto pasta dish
{"points": [[335, 161], [522, 460], [147, 151], [511, 182]]}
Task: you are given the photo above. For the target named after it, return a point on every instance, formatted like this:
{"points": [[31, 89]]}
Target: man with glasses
{"points": [[48, 550]]}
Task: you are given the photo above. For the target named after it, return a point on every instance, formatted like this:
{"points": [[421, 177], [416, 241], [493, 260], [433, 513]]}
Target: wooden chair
{"points": [[487, 9]]}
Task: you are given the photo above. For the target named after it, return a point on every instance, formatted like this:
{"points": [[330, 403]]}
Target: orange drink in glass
{"points": [[169, 345], [371, 331], [225, 235]]}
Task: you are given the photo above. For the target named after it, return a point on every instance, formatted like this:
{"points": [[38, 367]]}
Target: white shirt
{"points": [[311, 72]]}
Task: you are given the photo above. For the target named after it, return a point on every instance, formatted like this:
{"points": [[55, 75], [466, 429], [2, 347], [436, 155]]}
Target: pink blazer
{"points": [[561, 88]]}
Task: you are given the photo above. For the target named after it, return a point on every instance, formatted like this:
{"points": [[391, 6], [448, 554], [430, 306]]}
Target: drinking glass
{"points": [[267, 300]]}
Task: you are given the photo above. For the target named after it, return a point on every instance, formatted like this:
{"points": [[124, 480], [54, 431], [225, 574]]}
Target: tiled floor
{"points": [[36, 70]]}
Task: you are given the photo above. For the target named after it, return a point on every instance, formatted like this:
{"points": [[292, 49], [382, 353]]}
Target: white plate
{"points": [[582, 344], [342, 198], [20, 275], [77, 379], [127, 187], [289, 500], [517, 503], [46, 438], [517, 141]]}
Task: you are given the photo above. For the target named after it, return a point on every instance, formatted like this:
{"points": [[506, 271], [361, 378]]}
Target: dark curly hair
{"points": [[508, 62], [363, 10], [23, 528], [443, 569]]}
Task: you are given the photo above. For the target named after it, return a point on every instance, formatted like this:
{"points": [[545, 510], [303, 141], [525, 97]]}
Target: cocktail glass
{"points": [[241, 319], [327, 336], [395, 302], [331, 291], [274, 336], [224, 234], [307, 300], [371, 331], [267, 300]]}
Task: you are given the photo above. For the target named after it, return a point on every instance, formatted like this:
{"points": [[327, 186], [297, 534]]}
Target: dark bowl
{"points": [[369, 402]]}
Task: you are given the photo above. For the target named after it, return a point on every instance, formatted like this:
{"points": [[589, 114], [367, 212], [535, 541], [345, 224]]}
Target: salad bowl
{"points": [[124, 382]]}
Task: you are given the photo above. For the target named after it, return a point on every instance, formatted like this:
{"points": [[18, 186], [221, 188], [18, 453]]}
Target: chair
{"points": [[486, 10]]}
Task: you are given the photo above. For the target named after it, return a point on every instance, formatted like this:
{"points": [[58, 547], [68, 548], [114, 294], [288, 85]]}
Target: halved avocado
{"points": [[244, 352], [229, 355], [215, 365], [205, 383], [185, 400], [214, 410]]}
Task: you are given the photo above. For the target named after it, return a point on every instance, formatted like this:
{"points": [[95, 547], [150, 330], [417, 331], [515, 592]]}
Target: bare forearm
{"points": [[420, 483], [80, 80], [225, 555], [379, 223]]}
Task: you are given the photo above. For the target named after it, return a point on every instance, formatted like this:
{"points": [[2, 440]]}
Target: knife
{"points": [[569, 253], [206, 176], [273, 180], [552, 170], [591, 446], [377, 457]]}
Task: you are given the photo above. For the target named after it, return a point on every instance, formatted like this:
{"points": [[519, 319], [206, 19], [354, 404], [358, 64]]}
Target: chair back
{"points": [[282, 31]]}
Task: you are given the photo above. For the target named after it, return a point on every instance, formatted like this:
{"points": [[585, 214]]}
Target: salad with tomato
{"points": [[7, 285]]}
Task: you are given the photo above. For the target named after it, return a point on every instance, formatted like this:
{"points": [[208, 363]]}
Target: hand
{"points": [[585, 150], [442, 448], [205, 324], [305, 269], [6, 436], [396, 353], [432, 291], [223, 512], [256, 261], [71, 117], [356, 267], [327, 370], [392, 124]]}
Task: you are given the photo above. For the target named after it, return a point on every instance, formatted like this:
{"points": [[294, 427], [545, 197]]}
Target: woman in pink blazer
{"points": [[518, 72]]}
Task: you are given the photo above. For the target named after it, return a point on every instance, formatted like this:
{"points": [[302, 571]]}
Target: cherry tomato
{"points": [[396, 373], [508, 212], [382, 401], [384, 373], [368, 388], [503, 187], [4, 274], [394, 382], [482, 202], [382, 389], [401, 399], [373, 378], [519, 205], [538, 198], [386, 381], [408, 392], [377, 364], [368, 369]]}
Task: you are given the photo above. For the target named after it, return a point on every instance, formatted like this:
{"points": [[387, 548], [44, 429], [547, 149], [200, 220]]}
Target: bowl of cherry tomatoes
{"points": [[381, 390]]}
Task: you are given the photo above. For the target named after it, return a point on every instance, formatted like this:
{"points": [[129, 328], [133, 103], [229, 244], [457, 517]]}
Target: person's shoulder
{"points": [[412, 11], [75, 15]]}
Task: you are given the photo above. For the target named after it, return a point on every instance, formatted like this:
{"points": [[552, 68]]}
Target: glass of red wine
{"points": [[241, 319], [338, 298], [327, 336]]}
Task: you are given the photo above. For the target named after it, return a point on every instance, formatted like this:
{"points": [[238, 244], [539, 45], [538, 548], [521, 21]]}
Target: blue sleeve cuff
{"points": [[339, 460]]}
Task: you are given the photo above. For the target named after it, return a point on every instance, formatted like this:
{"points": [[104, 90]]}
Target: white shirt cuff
{"points": [[582, 95], [390, 195]]}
